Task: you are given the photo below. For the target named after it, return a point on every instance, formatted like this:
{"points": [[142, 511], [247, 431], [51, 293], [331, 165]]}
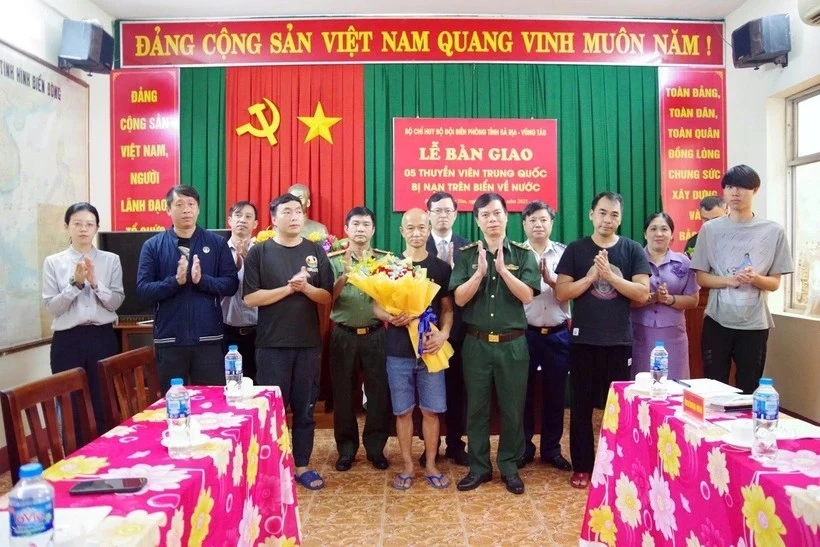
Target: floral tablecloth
{"points": [[237, 489], [660, 481]]}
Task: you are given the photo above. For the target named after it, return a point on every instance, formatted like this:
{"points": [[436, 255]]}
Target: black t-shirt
{"points": [[398, 342], [184, 246], [292, 322], [600, 316]]}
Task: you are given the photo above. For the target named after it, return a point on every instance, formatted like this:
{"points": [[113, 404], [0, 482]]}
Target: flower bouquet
{"points": [[398, 287]]}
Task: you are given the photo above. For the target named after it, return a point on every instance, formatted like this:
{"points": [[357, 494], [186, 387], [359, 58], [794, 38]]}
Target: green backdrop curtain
{"points": [[607, 132], [202, 140]]}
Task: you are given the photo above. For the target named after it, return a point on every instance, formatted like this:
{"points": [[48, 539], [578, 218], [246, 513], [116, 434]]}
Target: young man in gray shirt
{"points": [[741, 258]]}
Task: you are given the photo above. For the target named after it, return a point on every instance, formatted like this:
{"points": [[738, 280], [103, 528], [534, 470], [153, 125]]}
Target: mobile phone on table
{"points": [[127, 485]]}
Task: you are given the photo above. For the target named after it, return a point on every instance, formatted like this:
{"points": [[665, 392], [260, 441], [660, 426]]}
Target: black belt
{"points": [[241, 331], [493, 337], [361, 330], [548, 330]]}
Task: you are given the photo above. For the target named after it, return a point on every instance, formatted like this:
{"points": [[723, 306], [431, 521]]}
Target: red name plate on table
{"points": [[694, 406]]}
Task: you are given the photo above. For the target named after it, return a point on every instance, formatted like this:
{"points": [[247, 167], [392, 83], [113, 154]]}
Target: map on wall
{"points": [[43, 170]]}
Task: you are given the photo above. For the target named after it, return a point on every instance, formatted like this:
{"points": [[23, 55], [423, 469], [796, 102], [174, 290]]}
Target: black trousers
{"points": [[592, 370], [719, 345], [351, 352], [456, 416], [296, 372], [245, 339], [82, 347], [551, 353], [202, 365]]}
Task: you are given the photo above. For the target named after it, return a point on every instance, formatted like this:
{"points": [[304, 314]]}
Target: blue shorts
{"points": [[405, 375]]}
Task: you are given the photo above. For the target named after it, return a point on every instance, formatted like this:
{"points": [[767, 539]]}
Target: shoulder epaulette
{"points": [[375, 250], [336, 253], [520, 245], [559, 244], [470, 246]]}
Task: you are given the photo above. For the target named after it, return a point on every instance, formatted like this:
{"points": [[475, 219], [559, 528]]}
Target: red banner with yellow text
{"points": [[693, 143], [413, 40], [144, 146], [467, 157]]}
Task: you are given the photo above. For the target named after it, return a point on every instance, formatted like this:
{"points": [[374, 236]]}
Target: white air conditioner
{"points": [[809, 11]]}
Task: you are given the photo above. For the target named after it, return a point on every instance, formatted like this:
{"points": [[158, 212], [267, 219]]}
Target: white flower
{"points": [[692, 540], [218, 449], [690, 433], [138, 528], [119, 431], [603, 463], [627, 501], [238, 464], [249, 526], [663, 507], [643, 418], [630, 393], [718, 473], [802, 461], [286, 485], [160, 477], [261, 404], [174, 536], [218, 420], [806, 504], [647, 540]]}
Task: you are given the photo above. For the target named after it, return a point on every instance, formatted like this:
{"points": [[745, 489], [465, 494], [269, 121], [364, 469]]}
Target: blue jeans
{"points": [[405, 375]]}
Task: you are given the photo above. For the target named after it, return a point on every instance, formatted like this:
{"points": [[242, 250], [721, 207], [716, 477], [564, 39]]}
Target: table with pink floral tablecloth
{"points": [[237, 489], [659, 480]]}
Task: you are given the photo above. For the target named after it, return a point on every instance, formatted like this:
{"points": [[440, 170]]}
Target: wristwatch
{"points": [[72, 281]]}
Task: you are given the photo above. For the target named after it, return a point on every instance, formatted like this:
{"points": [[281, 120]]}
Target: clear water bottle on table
{"points": [[233, 375], [178, 406], [765, 410], [659, 369], [31, 509]]}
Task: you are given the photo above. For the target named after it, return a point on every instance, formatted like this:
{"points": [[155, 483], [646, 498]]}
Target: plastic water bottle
{"points": [[31, 509], [233, 375], [178, 405], [765, 410], [659, 368]]}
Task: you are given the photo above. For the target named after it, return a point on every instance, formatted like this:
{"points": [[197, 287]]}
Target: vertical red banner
{"points": [[693, 143], [144, 146]]}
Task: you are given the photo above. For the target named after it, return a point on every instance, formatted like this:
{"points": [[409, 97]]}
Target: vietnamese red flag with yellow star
{"points": [[296, 124]]}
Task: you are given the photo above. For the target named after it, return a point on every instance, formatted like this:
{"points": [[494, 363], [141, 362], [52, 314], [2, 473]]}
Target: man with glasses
{"points": [[446, 245], [493, 279]]}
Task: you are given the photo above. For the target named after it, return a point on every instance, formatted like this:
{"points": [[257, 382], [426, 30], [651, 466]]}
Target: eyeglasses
{"points": [[442, 211], [87, 225]]}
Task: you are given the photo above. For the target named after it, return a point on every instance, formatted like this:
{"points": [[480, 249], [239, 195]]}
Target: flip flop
{"points": [[579, 480], [440, 479], [307, 479], [402, 482]]}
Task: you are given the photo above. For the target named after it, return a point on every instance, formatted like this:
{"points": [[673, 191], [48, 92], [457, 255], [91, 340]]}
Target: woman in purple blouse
{"points": [[672, 289]]}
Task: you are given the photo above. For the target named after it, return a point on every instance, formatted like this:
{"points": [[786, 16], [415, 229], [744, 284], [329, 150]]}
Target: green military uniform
{"points": [[495, 352], [357, 342]]}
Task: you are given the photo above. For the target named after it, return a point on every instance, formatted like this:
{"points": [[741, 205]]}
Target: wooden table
{"points": [[125, 329]]}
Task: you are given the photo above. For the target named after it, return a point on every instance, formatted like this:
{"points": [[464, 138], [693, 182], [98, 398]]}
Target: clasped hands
{"points": [[84, 271], [182, 270]]}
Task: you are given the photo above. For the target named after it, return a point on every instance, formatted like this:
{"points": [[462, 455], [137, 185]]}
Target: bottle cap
{"points": [[658, 344], [766, 382], [176, 381], [233, 348], [31, 470]]}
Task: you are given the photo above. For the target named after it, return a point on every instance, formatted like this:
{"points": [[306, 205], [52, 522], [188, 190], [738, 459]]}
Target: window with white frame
{"points": [[803, 117]]}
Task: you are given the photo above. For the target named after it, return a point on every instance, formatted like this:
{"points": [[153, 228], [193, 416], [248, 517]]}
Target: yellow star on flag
{"points": [[319, 125]]}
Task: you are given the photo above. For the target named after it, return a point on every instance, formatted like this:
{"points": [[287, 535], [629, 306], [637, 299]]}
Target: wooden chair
{"points": [[123, 379], [38, 399]]}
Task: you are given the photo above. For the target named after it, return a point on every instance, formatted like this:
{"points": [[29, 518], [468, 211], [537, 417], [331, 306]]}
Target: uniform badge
{"points": [[311, 261], [511, 267], [206, 249]]}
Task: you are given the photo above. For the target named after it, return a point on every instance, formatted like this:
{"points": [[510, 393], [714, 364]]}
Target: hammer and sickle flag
{"points": [[266, 129]]}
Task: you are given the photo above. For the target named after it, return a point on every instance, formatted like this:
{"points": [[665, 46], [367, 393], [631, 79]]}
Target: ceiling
{"points": [[191, 9]]}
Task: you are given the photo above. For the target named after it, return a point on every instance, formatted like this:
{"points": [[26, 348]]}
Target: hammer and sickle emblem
{"points": [[266, 129]]}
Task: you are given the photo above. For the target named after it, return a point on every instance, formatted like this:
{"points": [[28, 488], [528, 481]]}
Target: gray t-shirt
{"points": [[725, 247]]}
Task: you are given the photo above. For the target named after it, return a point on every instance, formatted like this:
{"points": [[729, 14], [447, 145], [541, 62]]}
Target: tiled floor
{"points": [[359, 507]]}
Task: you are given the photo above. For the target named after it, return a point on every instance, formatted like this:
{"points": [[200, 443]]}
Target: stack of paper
{"points": [[729, 403]]}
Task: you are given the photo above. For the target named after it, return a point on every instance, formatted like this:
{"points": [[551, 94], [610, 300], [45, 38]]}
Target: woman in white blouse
{"points": [[82, 289]]}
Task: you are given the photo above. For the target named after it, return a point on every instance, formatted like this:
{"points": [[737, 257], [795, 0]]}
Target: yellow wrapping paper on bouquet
{"points": [[411, 295]]}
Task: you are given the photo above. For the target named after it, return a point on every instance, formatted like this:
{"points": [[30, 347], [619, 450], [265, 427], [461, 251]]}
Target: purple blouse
{"points": [[679, 278]]}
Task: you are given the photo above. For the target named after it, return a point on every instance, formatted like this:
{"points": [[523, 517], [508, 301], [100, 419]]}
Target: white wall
{"points": [[35, 26], [757, 137]]}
